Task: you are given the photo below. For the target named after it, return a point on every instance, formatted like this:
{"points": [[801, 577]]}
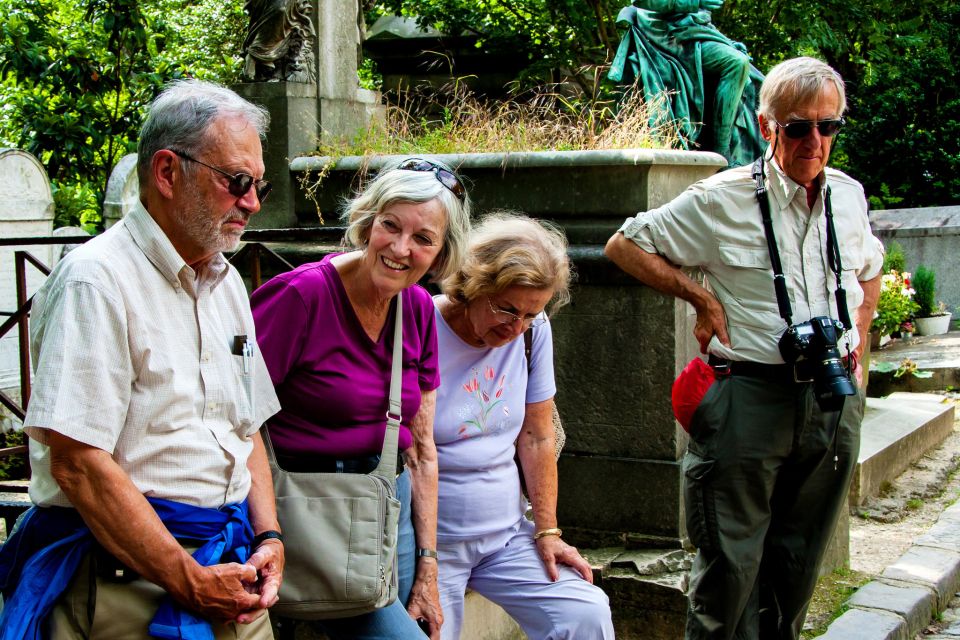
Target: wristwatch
{"points": [[428, 553]]}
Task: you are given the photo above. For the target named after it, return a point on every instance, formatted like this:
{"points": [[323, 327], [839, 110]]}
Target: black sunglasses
{"points": [[239, 183], [445, 176], [802, 128]]}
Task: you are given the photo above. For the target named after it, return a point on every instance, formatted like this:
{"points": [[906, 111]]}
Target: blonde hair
{"points": [[797, 82], [509, 249], [396, 186]]}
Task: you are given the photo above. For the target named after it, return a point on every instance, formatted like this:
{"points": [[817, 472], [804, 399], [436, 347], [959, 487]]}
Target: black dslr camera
{"points": [[815, 342]]}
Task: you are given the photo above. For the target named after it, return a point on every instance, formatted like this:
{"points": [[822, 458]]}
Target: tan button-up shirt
{"points": [[134, 353], [715, 225]]}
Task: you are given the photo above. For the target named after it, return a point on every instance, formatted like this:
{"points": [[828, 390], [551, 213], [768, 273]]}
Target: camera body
{"points": [[815, 342]]}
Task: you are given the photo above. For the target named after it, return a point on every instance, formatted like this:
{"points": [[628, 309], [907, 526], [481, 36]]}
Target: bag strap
{"points": [[388, 456], [528, 345]]}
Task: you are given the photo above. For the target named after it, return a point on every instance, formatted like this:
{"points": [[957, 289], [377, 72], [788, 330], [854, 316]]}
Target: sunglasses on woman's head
{"points": [[802, 128], [445, 176], [239, 183]]}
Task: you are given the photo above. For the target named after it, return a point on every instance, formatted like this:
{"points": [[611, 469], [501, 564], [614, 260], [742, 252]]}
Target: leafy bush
{"points": [[894, 259], [12, 467], [925, 284]]}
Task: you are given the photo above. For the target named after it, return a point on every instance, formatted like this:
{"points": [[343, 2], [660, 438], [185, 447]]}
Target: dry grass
{"points": [[456, 121]]}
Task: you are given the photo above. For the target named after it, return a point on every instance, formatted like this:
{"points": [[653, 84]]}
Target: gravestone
{"points": [[123, 190], [315, 94], [27, 211]]}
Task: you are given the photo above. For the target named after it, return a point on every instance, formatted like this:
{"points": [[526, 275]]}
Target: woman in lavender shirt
{"points": [[495, 403], [325, 330]]}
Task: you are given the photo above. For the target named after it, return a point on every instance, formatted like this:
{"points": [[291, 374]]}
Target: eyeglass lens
{"points": [[506, 317], [446, 178], [238, 183], [802, 128]]}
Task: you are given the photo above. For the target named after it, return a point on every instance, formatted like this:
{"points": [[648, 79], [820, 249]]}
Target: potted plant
{"points": [[932, 317]]}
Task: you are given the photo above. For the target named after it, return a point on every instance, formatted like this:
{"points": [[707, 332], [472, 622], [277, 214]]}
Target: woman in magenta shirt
{"points": [[325, 330]]}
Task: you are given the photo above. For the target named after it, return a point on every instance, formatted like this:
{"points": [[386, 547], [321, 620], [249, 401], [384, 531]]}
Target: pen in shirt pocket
{"points": [[243, 347]]}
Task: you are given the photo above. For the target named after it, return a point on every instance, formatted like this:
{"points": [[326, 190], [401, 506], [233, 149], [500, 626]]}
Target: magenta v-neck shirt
{"points": [[331, 378]]}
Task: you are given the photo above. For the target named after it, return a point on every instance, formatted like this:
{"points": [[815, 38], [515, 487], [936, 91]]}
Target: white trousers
{"points": [[506, 569]]}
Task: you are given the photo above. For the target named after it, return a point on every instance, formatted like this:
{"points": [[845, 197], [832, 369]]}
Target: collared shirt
{"points": [[715, 225], [133, 353]]}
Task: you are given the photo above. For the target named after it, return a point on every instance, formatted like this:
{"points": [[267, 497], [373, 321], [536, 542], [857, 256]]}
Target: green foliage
{"points": [[925, 284], [904, 133], [560, 38], [894, 259], [77, 75], [12, 467], [75, 78]]}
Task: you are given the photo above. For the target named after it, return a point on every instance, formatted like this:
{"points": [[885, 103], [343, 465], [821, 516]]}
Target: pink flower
{"points": [[485, 396], [489, 373], [471, 386]]}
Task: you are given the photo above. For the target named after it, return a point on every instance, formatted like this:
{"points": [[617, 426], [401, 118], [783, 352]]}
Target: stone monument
{"points": [[301, 60], [28, 211], [701, 81], [123, 190]]}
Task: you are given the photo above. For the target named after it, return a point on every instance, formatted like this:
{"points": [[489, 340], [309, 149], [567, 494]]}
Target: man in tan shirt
{"points": [[149, 392], [774, 441]]}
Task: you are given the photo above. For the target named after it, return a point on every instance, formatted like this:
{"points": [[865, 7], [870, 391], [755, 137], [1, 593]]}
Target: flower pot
{"points": [[933, 325], [877, 340]]}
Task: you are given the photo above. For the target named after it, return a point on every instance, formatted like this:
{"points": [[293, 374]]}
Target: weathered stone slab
{"points": [[858, 624], [945, 533], [938, 569], [641, 501], [914, 604]]}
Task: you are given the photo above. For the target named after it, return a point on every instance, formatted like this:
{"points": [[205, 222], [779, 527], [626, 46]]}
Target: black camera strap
{"points": [[779, 279]]}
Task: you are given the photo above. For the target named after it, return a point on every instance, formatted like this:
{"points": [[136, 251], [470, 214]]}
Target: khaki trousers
{"points": [[93, 609]]}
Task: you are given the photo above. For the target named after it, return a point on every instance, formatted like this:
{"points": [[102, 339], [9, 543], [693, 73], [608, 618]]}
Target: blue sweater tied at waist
{"points": [[39, 560]]}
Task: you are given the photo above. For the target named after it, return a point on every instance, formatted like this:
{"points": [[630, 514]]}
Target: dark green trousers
{"points": [[766, 474]]}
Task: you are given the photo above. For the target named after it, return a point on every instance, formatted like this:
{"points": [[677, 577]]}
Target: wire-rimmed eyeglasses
{"points": [[506, 317], [239, 183]]}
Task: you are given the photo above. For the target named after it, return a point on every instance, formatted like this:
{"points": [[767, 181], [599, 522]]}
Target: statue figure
{"points": [[672, 46], [279, 41]]}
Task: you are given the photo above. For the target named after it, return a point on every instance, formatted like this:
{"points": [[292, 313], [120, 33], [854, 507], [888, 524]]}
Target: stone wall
{"points": [[931, 237]]}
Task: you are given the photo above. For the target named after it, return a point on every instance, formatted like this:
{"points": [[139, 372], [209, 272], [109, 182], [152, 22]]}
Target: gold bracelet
{"points": [[547, 532]]}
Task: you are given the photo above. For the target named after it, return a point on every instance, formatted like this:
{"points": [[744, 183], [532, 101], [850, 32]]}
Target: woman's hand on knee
{"points": [[553, 551]]}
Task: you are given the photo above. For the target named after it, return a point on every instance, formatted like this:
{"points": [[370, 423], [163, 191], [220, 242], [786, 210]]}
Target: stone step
{"points": [[897, 430]]}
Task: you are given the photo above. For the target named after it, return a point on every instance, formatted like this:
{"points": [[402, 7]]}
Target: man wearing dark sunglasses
{"points": [[770, 456], [149, 390]]}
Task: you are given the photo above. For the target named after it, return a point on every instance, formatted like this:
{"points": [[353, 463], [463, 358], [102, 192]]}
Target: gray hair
{"points": [[797, 82], [396, 186], [509, 249], [182, 114]]}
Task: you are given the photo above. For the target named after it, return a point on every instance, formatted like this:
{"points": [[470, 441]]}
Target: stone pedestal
{"points": [[331, 105], [618, 345]]}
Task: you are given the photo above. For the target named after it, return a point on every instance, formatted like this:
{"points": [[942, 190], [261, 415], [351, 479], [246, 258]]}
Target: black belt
{"points": [[307, 463], [798, 372]]}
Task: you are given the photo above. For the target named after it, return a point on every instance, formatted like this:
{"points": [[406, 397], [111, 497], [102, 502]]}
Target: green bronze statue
{"points": [[672, 47]]}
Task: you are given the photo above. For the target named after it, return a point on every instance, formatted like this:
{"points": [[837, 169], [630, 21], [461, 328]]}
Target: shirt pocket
{"points": [[242, 391], [746, 291]]}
